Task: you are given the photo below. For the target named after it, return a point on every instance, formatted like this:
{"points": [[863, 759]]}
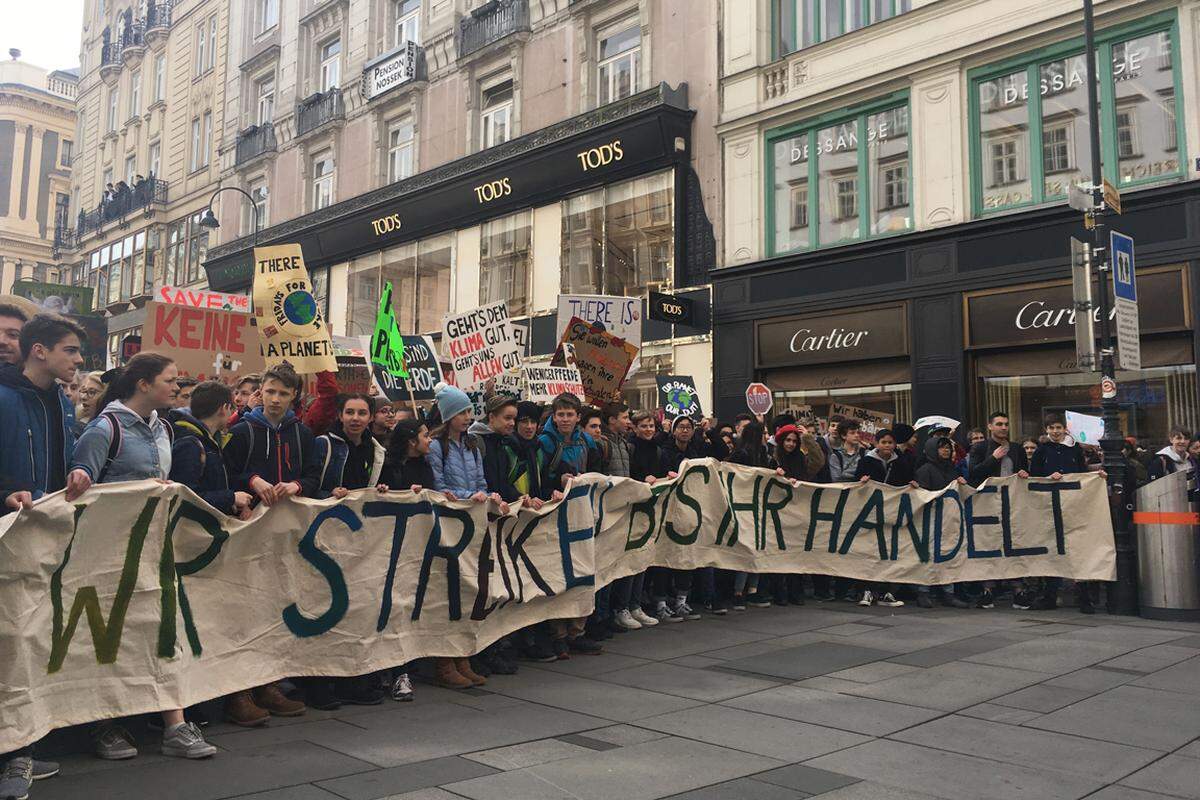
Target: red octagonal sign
{"points": [[758, 398]]}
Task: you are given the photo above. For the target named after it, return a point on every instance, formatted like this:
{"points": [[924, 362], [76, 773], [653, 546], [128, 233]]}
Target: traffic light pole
{"points": [[1123, 595]]}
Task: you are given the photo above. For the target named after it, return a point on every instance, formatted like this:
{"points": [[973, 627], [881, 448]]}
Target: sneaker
{"points": [[758, 600], [585, 646], [954, 601], [111, 742], [561, 651], [867, 599], [16, 778], [42, 770], [186, 741], [538, 651], [665, 614], [888, 600], [717, 609], [402, 689], [643, 618], [986, 600], [624, 619], [1022, 601], [682, 609], [923, 600], [739, 603], [358, 692]]}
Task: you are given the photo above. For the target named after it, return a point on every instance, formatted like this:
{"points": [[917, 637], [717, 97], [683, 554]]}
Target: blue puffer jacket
{"points": [[24, 446], [145, 450], [459, 468]]}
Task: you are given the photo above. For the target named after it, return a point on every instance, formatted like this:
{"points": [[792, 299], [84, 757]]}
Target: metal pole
{"points": [[1122, 597]]}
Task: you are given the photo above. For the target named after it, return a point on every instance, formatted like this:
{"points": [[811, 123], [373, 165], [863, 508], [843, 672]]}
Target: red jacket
{"points": [[322, 413]]}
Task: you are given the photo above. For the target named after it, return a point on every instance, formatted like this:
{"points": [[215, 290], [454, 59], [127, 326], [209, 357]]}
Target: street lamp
{"points": [[209, 220]]}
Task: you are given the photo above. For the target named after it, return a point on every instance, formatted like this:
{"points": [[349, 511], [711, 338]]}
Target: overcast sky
{"points": [[47, 32]]}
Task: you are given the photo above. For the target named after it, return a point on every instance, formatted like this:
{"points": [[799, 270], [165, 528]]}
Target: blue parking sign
{"points": [[1124, 274]]}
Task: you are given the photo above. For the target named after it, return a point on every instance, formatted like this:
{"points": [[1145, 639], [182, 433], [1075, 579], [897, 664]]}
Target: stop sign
{"points": [[758, 398]]}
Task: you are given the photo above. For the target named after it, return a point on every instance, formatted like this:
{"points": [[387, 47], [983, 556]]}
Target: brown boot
{"points": [[463, 665], [271, 699], [445, 675], [241, 710]]}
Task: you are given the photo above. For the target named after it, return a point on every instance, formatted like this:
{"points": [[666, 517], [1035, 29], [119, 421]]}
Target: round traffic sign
{"points": [[758, 398]]}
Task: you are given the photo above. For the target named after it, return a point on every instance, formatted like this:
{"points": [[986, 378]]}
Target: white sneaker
{"points": [[682, 609], [111, 742], [402, 688], [867, 598], [641, 616], [624, 619], [186, 741], [890, 600]]}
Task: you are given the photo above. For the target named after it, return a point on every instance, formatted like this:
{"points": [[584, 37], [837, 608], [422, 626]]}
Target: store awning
{"points": [[1168, 352]]}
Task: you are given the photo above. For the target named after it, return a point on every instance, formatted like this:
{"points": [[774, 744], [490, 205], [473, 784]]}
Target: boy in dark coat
{"points": [[937, 471], [1053, 459]]}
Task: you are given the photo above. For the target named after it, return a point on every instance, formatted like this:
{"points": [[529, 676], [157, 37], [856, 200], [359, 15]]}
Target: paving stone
{"points": [[1191, 751], [586, 742], [604, 700], [784, 621], [785, 739], [945, 774], [432, 793], [828, 683], [820, 658], [1155, 719], [844, 712], [697, 684], [806, 779], [1118, 792], [1132, 637], [393, 780], [318, 732], [849, 629], [871, 673], [959, 649], [1102, 761], [870, 790], [696, 662], [751, 649], [610, 661], [1152, 659], [1092, 680], [527, 754], [304, 791], [1182, 677], [1192, 641], [651, 770], [950, 687], [1173, 775], [1055, 655], [988, 711], [1042, 698], [741, 788], [624, 735], [673, 641]]}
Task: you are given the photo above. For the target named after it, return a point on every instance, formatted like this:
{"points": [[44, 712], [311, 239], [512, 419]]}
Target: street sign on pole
{"points": [[1124, 273], [1112, 197], [758, 398], [1085, 317]]}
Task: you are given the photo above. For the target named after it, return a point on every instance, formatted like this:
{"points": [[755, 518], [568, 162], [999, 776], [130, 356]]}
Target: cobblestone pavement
{"points": [[828, 700]]}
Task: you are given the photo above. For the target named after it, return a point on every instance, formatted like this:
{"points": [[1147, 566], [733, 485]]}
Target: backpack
{"points": [[114, 442]]}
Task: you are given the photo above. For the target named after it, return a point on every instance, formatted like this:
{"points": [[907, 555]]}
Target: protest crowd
{"points": [[264, 439]]}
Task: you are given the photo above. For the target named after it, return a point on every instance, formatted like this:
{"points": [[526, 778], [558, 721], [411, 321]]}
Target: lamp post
{"points": [[209, 220]]}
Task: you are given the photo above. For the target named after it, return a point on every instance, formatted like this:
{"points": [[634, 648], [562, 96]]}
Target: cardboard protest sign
{"points": [[603, 360], [871, 421], [508, 384], [183, 604], [677, 396], [288, 318], [480, 343], [620, 316], [544, 383], [424, 371], [1085, 428], [206, 344], [353, 372], [387, 345], [204, 298]]}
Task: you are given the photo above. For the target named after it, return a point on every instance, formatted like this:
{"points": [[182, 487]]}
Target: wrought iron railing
{"points": [[110, 55], [158, 15], [150, 192], [134, 35], [254, 141], [320, 108], [490, 23]]}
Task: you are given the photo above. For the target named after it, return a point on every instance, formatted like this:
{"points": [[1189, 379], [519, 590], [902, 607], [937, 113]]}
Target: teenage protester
{"points": [[91, 388], [71, 392], [671, 587], [844, 458], [1030, 447], [937, 471], [1053, 459], [501, 421], [246, 396], [565, 449], [384, 420], [183, 397], [456, 459], [600, 624], [748, 588], [740, 422], [37, 419], [640, 464], [1173, 457], [994, 457], [599, 455], [800, 458], [127, 441], [884, 465]]}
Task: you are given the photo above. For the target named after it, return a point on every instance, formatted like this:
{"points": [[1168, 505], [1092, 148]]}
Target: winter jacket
{"points": [[408, 473], [26, 463], [749, 458], [322, 412], [981, 464], [894, 471], [198, 463], [843, 466], [620, 453], [278, 454], [805, 464], [1052, 457], [524, 462], [144, 452], [1167, 462], [332, 451], [599, 456], [936, 473], [495, 462], [458, 465], [670, 456], [574, 453], [644, 459]]}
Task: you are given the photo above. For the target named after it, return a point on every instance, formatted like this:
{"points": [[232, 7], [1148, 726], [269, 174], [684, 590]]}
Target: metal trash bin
{"points": [[1168, 540]]}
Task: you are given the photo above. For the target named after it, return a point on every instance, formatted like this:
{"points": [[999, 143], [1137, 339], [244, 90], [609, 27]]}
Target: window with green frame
{"points": [[1029, 146], [802, 23], [840, 178]]}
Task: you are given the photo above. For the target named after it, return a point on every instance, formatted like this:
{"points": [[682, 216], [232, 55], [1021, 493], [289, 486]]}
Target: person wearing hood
{"points": [[1173, 457], [143, 452], [349, 456], [883, 465], [564, 445], [271, 453], [937, 471], [494, 436]]}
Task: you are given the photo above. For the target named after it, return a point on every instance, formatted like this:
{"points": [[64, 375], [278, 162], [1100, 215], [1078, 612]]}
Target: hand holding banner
{"points": [[290, 326]]}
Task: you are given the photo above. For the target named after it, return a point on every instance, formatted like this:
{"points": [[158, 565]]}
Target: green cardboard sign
{"points": [[387, 346]]}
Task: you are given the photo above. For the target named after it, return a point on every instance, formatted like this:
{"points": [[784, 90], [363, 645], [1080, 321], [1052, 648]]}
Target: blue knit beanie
{"points": [[451, 400]]}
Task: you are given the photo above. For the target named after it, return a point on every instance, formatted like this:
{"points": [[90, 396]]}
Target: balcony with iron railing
{"points": [[64, 239], [319, 109], [158, 22], [142, 197], [254, 142], [490, 23], [110, 62], [133, 43]]}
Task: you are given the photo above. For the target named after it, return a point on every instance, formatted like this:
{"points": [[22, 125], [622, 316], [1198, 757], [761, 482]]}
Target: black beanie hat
{"points": [[529, 410]]}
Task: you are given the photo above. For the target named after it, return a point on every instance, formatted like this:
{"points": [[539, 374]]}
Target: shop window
{"points": [[420, 276], [620, 55], [504, 261], [496, 114], [790, 157], [331, 64], [265, 90], [1139, 127], [400, 150], [407, 28], [322, 180], [619, 239], [803, 23], [197, 247]]}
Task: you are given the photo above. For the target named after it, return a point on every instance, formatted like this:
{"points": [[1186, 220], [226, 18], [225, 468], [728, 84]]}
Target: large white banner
{"points": [[139, 597]]}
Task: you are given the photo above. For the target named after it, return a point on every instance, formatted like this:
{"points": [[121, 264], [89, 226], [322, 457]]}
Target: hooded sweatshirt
{"points": [[894, 471], [37, 438], [197, 462], [283, 453], [145, 450], [937, 473]]}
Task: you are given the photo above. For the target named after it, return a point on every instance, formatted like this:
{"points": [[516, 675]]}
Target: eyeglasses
{"points": [[90, 392]]}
